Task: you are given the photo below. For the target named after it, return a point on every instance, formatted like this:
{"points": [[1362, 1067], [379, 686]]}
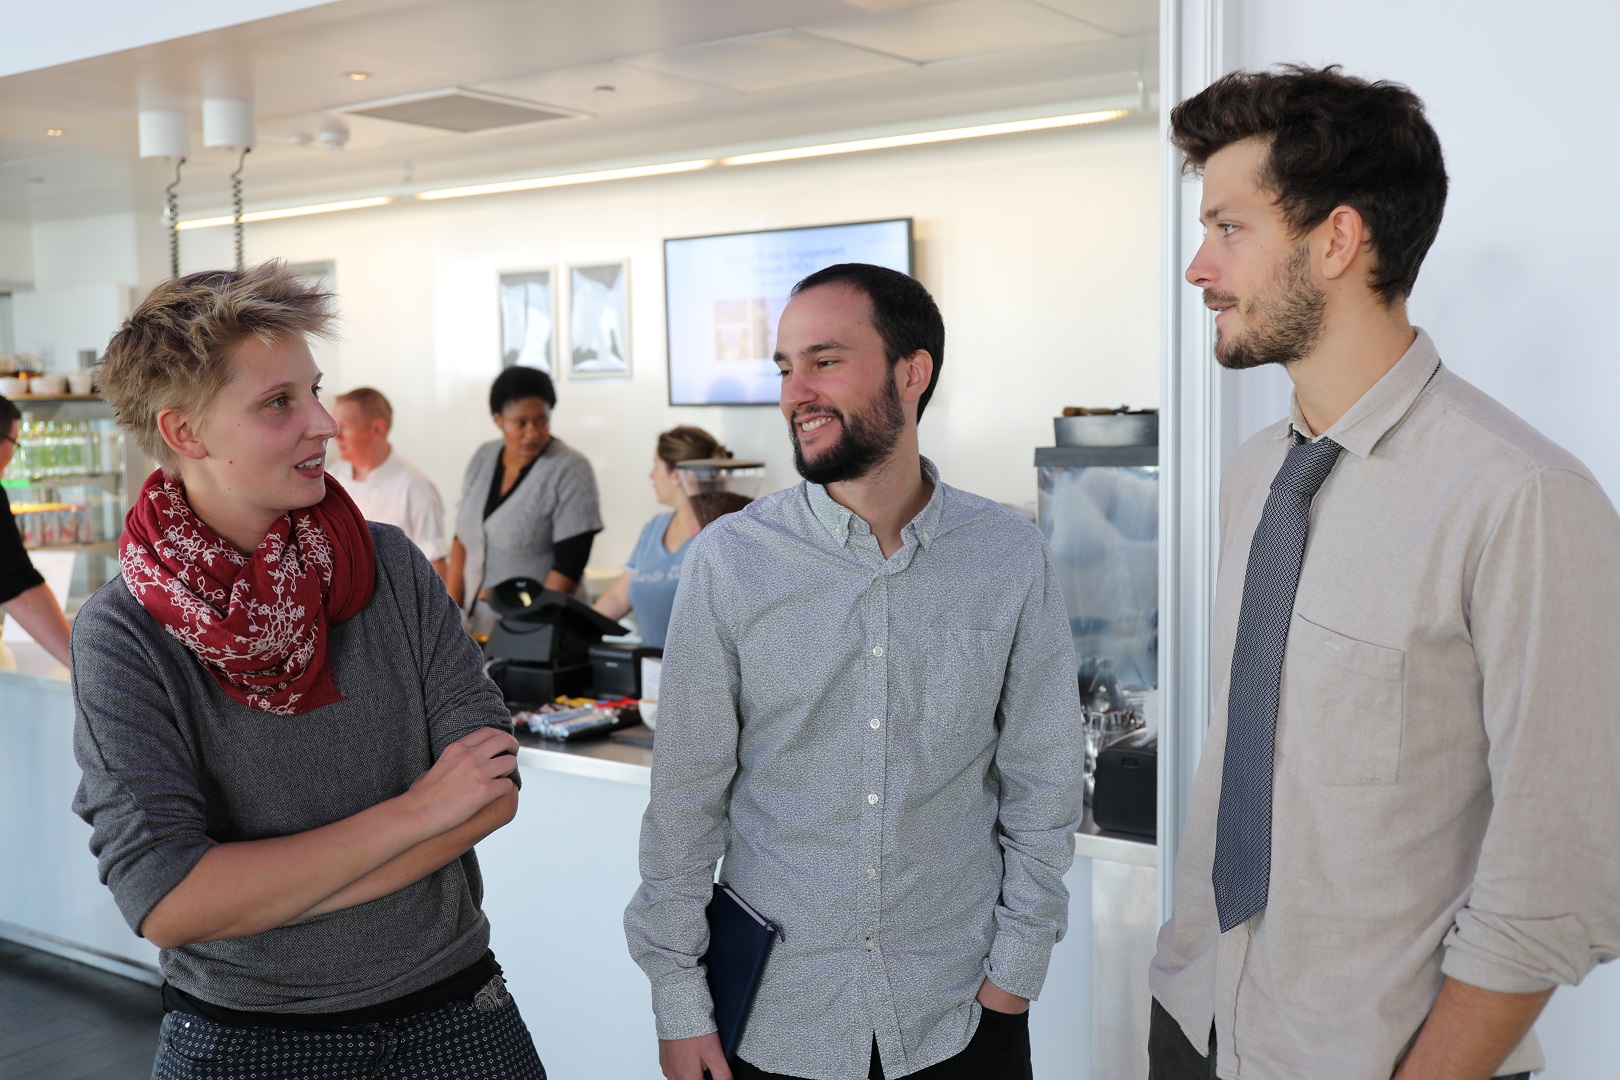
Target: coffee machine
{"points": [[1099, 511]]}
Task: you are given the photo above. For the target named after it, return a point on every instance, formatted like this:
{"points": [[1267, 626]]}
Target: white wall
{"points": [[86, 251], [1041, 249], [1518, 291], [55, 325], [16, 253]]}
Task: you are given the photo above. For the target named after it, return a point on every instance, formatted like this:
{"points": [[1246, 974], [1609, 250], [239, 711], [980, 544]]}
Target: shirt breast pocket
{"points": [[1346, 704], [964, 670]]}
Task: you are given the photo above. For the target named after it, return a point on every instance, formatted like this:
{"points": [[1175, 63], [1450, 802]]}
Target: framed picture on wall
{"points": [[529, 319], [599, 319]]}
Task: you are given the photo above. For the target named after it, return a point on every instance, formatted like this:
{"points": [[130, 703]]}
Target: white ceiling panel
{"points": [[700, 74], [768, 61], [1120, 16], [959, 28], [632, 88]]}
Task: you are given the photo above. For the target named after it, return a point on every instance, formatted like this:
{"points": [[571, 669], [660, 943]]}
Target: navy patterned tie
{"points": [[1243, 826]]}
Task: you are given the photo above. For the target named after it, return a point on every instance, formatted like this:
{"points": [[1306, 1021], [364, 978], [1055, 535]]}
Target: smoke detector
{"points": [[334, 134]]}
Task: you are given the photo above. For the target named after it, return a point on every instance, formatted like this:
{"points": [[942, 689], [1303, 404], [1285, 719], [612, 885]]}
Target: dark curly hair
{"points": [[517, 383], [1335, 140], [904, 315]]}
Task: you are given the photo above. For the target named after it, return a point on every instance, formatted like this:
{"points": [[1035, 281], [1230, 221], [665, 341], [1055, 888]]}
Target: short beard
{"points": [[1284, 327], [869, 437]]}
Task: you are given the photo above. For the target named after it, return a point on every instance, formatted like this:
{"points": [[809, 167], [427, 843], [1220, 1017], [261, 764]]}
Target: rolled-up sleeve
{"points": [[1039, 760], [683, 830], [1545, 615]]}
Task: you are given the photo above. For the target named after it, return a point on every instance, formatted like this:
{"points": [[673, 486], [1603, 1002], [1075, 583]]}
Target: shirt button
{"points": [[877, 650], [872, 798], [871, 873], [868, 944], [876, 723]]}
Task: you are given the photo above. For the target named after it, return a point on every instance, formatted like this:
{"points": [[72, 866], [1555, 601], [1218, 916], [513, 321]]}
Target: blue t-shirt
{"points": [[655, 572]]}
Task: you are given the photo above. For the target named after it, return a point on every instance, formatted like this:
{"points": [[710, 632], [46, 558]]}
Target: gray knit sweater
{"points": [[170, 760]]}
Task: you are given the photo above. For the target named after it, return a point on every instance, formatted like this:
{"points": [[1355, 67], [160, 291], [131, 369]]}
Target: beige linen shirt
{"points": [[1447, 772]]}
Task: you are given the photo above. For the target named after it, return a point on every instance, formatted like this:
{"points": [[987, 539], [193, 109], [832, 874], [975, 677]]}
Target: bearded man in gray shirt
{"points": [[1396, 844], [870, 711]]}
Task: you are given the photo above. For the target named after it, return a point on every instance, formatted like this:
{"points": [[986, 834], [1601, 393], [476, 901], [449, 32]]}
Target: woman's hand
{"points": [[473, 772], [615, 601]]}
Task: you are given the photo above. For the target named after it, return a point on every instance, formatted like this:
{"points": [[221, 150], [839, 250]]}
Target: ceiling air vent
{"points": [[455, 109]]}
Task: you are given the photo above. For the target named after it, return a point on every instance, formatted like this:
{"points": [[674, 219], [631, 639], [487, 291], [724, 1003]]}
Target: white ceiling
{"points": [[651, 78]]}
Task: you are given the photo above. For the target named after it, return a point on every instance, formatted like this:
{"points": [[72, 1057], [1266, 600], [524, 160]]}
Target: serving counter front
{"points": [[556, 881]]}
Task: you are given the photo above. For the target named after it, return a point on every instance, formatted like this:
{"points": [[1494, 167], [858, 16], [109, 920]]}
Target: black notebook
{"points": [[740, 939]]}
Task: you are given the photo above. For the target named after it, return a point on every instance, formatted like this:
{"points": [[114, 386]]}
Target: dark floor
{"points": [[63, 1021]]}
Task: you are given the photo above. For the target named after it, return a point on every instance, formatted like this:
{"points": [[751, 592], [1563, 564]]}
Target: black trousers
{"points": [[1172, 1057], [999, 1050]]}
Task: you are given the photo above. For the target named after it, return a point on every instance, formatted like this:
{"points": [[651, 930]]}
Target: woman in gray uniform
{"points": [[288, 743], [528, 502]]}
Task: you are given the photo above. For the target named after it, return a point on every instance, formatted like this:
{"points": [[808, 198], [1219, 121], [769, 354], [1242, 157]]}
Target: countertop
{"points": [[607, 759], [32, 664], [600, 759]]}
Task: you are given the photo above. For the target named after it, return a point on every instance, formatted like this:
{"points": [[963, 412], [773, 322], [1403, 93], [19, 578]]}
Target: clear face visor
{"points": [[716, 476]]}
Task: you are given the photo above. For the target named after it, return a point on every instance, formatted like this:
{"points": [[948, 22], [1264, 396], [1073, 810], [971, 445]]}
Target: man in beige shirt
{"points": [[1444, 760]]}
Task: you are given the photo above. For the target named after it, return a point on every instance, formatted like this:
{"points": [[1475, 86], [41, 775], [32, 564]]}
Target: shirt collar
{"points": [[838, 520], [1383, 406]]}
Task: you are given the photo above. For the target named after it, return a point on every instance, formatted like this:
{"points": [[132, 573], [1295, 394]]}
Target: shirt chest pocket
{"points": [[963, 671], [1346, 703]]}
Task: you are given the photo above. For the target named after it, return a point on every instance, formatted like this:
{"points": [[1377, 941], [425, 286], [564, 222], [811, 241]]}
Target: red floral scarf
{"points": [[258, 623]]}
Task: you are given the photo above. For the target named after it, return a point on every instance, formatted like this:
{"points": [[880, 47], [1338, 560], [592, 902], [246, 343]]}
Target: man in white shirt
{"points": [[385, 486]]}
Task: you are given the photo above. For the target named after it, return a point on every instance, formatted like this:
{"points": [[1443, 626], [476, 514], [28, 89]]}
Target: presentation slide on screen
{"points": [[725, 294]]}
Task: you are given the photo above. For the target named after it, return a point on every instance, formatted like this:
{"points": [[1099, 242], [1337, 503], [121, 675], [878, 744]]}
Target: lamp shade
{"points": [[165, 133], [228, 124]]}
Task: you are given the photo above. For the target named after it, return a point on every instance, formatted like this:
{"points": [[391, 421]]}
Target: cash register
{"points": [[545, 642]]}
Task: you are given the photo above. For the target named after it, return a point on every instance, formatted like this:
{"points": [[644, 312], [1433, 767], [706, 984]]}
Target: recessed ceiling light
{"points": [[357, 76], [53, 132]]}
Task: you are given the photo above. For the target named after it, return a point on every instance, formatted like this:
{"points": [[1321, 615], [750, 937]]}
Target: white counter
{"points": [[556, 883]]}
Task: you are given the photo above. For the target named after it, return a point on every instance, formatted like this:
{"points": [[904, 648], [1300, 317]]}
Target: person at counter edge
{"points": [[529, 506], [288, 743], [1397, 843], [383, 484], [881, 740], [23, 593], [653, 572]]}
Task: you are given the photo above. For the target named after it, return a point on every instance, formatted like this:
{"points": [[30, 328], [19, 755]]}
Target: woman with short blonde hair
{"points": [[288, 744]]}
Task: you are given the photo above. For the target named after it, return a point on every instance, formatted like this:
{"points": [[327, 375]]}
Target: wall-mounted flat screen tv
{"points": [[725, 294]]}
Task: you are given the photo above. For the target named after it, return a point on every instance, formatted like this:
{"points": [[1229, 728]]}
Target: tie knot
{"points": [[1307, 466]]}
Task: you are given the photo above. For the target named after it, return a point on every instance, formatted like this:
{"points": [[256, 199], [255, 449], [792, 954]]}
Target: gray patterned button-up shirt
{"points": [[887, 754]]}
